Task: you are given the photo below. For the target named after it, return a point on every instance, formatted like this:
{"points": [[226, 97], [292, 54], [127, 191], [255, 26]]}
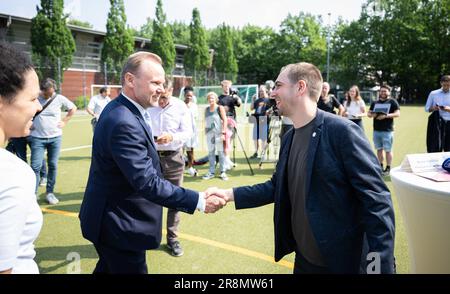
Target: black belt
{"points": [[167, 152]]}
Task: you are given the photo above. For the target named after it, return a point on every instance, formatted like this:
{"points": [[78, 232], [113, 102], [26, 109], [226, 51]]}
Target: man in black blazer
{"points": [[121, 212], [331, 205]]}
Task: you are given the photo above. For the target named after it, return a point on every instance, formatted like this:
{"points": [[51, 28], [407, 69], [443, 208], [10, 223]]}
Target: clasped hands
{"points": [[217, 198]]}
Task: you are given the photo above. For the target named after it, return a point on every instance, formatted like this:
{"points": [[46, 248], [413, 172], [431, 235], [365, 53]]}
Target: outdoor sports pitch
{"points": [[229, 241]]}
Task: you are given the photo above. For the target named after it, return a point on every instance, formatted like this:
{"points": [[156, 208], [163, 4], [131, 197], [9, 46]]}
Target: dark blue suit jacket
{"points": [[126, 189], [345, 199]]}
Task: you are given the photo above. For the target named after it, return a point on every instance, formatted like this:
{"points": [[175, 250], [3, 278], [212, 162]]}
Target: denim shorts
{"points": [[383, 140]]}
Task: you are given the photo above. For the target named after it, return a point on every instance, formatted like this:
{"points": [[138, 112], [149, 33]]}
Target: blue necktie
{"points": [[148, 121]]}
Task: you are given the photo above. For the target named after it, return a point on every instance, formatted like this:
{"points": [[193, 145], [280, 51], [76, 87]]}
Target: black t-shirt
{"points": [[330, 105], [387, 124], [229, 102], [296, 180], [260, 105]]}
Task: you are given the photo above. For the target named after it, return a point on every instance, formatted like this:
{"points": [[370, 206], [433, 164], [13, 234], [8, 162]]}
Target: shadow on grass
{"points": [[74, 158], [62, 197], [61, 254]]}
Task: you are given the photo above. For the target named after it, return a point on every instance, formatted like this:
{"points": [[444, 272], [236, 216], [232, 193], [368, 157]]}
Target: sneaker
{"points": [[43, 182], [51, 199], [208, 176], [228, 164], [175, 248], [224, 176], [254, 155], [192, 171], [386, 172]]}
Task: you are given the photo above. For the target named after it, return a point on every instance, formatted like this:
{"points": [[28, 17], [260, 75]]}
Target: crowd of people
{"points": [[332, 207], [383, 111]]}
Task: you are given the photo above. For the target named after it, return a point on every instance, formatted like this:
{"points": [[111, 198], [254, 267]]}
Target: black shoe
{"points": [[175, 248], [254, 155], [386, 172]]}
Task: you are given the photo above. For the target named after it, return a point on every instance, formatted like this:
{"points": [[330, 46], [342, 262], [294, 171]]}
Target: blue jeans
{"points": [[215, 144], [18, 146], [38, 147]]}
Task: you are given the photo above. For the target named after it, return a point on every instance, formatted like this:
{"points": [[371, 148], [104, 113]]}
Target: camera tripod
{"points": [[273, 136], [235, 132]]}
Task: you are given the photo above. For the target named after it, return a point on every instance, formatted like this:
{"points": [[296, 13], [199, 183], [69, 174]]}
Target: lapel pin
{"points": [[314, 134]]}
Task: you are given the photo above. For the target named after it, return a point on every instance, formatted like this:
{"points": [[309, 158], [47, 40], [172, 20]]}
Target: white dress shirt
{"points": [[439, 97], [174, 119]]}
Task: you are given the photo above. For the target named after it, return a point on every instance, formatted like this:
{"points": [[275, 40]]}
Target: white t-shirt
{"points": [[45, 125], [20, 215], [98, 103], [354, 108]]}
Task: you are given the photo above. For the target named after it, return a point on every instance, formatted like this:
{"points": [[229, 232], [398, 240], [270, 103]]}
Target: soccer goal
{"points": [[115, 89], [246, 93]]}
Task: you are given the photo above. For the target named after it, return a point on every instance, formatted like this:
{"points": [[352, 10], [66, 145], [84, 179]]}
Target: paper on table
{"points": [[427, 165]]}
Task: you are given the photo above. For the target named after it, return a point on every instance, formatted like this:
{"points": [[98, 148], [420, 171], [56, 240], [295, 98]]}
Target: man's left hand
{"points": [[61, 124], [164, 139]]}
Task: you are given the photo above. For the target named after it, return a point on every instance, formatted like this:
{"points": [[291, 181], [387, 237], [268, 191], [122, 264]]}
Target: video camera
{"points": [[234, 91]]}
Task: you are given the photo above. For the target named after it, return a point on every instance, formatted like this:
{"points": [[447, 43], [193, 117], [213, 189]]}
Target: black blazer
{"points": [[346, 197], [125, 189]]}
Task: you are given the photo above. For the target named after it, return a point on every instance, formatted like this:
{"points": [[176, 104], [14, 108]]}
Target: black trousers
{"points": [[303, 266], [117, 261], [446, 135]]}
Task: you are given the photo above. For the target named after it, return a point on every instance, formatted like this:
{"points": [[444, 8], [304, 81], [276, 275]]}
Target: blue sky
{"points": [[212, 12]]}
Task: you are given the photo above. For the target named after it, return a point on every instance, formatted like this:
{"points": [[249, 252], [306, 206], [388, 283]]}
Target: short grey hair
{"points": [[135, 60]]}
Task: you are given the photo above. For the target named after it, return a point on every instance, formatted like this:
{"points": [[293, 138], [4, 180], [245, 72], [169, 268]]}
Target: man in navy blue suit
{"points": [[332, 207], [121, 213]]}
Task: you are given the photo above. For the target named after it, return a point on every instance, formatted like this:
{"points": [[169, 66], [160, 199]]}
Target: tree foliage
{"points": [[119, 42], [197, 55], [162, 39], [52, 43]]}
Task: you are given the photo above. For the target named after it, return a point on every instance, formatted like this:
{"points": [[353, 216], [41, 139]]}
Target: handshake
{"points": [[217, 198]]}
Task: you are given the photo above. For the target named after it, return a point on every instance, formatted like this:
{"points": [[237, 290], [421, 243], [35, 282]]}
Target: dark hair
{"points": [[188, 89], [13, 66], [103, 90], [386, 87], [47, 84], [307, 72], [445, 78]]}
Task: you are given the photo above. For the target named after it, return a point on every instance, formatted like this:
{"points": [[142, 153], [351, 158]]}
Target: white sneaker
{"points": [[43, 182], [228, 164], [51, 199], [208, 176], [192, 171], [224, 176]]}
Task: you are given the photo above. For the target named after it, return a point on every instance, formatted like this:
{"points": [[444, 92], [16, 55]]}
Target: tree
{"points": [[181, 33], [162, 40], [80, 23], [146, 30], [254, 53], [403, 43], [301, 38], [52, 42], [197, 55], [119, 43], [225, 61]]}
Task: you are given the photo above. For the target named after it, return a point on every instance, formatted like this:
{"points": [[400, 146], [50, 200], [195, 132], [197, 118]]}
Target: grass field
{"points": [[227, 242]]}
